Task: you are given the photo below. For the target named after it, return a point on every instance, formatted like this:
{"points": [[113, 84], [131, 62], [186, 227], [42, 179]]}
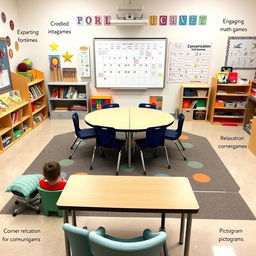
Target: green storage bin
{"points": [[17, 134]]}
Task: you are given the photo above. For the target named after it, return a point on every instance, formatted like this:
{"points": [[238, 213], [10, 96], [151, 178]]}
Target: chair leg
{"points": [[143, 163], [93, 156], [167, 157], [75, 148], [155, 154], [118, 162], [74, 143], [102, 152], [181, 145], [177, 145]]}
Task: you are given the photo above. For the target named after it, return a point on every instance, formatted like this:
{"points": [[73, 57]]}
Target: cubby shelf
{"points": [[228, 103]]}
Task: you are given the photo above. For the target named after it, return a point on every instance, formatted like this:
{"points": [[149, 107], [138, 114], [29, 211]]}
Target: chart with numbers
{"points": [[129, 62], [188, 62]]}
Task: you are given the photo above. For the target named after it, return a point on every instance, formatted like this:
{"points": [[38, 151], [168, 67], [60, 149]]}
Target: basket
{"points": [[201, 93]]}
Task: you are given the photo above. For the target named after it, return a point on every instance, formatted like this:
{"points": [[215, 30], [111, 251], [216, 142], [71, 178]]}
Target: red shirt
{"points": [[59, 185]]}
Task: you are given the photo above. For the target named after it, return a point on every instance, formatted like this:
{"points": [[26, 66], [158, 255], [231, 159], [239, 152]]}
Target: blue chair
{"points": [[81, 134], [112, 105], [78, 239], [174, 135], [147, 105], [106, 138], [149, 244], [154, 138]]}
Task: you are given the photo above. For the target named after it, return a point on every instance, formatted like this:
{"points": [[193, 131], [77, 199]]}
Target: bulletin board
{"points": [[129, 63], [241, 52], [5, 76]]}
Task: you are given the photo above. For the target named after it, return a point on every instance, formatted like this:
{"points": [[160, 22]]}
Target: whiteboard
{"points": [[129, 63]]}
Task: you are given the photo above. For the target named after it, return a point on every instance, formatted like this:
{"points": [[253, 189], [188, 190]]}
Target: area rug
{"points": [[216, 191]]}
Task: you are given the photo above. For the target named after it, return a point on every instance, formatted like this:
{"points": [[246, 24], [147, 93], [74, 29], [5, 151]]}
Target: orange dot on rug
{"points": [[183, 137], [200, 177], [81, 173]]}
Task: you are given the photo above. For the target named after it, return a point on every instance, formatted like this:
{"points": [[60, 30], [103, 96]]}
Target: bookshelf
{"points": [[194, 101], [35, 93], [252, 140], [228, 103], [65, 98], [96, 102]]}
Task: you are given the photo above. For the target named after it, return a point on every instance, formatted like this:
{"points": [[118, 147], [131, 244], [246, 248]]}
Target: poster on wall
{"points": [[241, 52], [5, 81], [188, 62], [84, 61]]}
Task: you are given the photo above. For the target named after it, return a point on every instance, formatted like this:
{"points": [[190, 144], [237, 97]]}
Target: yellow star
{"points": [[54, 46], [67, 56]]}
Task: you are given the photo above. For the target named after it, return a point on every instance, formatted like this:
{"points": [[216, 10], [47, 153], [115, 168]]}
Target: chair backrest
{"points": [[148, 247], [49, 199], [180, 124], [78, 239], [112, 105], [75, 119], [147, 105], [155, 136], [105, 136]]}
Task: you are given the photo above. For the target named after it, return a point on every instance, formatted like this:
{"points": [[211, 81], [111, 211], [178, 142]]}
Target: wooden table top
{"points": [[128, 194], [129, 119]]}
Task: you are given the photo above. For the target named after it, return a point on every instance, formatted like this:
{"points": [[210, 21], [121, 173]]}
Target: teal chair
{"points": [[149, 244], [49, 199], [78, 239]]}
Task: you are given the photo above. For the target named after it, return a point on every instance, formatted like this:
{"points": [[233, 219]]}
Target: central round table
{"points": [[129, 120]]}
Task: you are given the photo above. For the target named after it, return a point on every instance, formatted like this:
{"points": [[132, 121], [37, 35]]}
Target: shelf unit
{"points": [[35, 93], [250, 113], [194, 101], [228, 103], [64, 99], [96, 102], [252, 140]]}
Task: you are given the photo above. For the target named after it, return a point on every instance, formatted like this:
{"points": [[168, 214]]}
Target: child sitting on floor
{"points": [[52, 179]]}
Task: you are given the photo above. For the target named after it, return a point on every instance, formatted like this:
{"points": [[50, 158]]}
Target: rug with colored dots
{"points": [[215, 189]]}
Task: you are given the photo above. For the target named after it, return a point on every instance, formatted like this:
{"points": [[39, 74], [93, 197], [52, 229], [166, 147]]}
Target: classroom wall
{"points": [[11, 11], [37, 15]]}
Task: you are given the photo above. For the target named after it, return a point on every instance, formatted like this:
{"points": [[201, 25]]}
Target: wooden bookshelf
{"points": [[192, 94], [252, 140], [18, 120], [228, 103]]}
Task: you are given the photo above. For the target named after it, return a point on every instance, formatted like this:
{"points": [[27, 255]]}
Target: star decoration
{"points": [[67, 56], [54, 46]]}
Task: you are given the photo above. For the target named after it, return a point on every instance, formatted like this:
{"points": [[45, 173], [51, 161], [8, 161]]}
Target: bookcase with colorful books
{"points": [[65, 98]]}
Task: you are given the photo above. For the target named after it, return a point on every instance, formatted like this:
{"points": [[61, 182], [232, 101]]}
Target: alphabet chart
{"points": [[189, 62], [84, 61], [129, 62]]}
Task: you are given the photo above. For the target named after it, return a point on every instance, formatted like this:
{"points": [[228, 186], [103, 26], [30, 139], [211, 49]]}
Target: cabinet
{"points": [[35, 93], [194, 101], [250, 112], [228, 103], [65, 98], [96, 102], [252, 140]]}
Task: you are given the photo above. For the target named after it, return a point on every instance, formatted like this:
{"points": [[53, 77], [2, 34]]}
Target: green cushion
{"points": [[25, 184]]}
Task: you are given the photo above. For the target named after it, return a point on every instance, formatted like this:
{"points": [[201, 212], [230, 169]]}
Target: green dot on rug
{"points": [[195, 164], [66, 162], [187, 145]]}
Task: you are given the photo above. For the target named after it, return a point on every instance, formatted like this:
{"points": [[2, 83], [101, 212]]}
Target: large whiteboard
{"points": [[129, 63]]}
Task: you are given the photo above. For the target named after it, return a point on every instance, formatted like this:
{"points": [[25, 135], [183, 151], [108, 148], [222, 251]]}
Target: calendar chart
{"points": [[129, 63]]}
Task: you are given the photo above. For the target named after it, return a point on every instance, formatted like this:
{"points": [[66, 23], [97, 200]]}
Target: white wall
{"points": [[10, 9], [37, 15]]}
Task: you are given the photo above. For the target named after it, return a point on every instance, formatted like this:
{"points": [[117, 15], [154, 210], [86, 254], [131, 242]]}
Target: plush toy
{"points": [[22, 67], [28, 62]]}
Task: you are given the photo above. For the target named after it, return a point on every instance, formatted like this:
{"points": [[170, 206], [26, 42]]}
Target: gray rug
{"points": [[218, 199]]}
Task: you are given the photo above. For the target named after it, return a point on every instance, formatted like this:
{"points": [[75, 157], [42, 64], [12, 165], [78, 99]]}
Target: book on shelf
{"points": [[193, 104], [15, 117], [81, 95], [61, 108], [37, 118]]}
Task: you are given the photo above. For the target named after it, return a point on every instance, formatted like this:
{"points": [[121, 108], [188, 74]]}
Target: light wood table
{"points": [[131, 194], [129, 120]]}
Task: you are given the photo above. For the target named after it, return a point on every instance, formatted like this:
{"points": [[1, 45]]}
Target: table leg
{"points": [[182, 224], [67, 246], [162, 228], [129, 149], [73, 217], [188, 234]]}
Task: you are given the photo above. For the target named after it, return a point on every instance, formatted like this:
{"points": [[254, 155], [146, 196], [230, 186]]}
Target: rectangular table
{"points": [[131, 194]]}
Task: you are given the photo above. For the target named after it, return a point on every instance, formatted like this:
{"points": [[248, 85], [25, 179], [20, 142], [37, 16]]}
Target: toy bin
{"points": [[188, 114]]}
